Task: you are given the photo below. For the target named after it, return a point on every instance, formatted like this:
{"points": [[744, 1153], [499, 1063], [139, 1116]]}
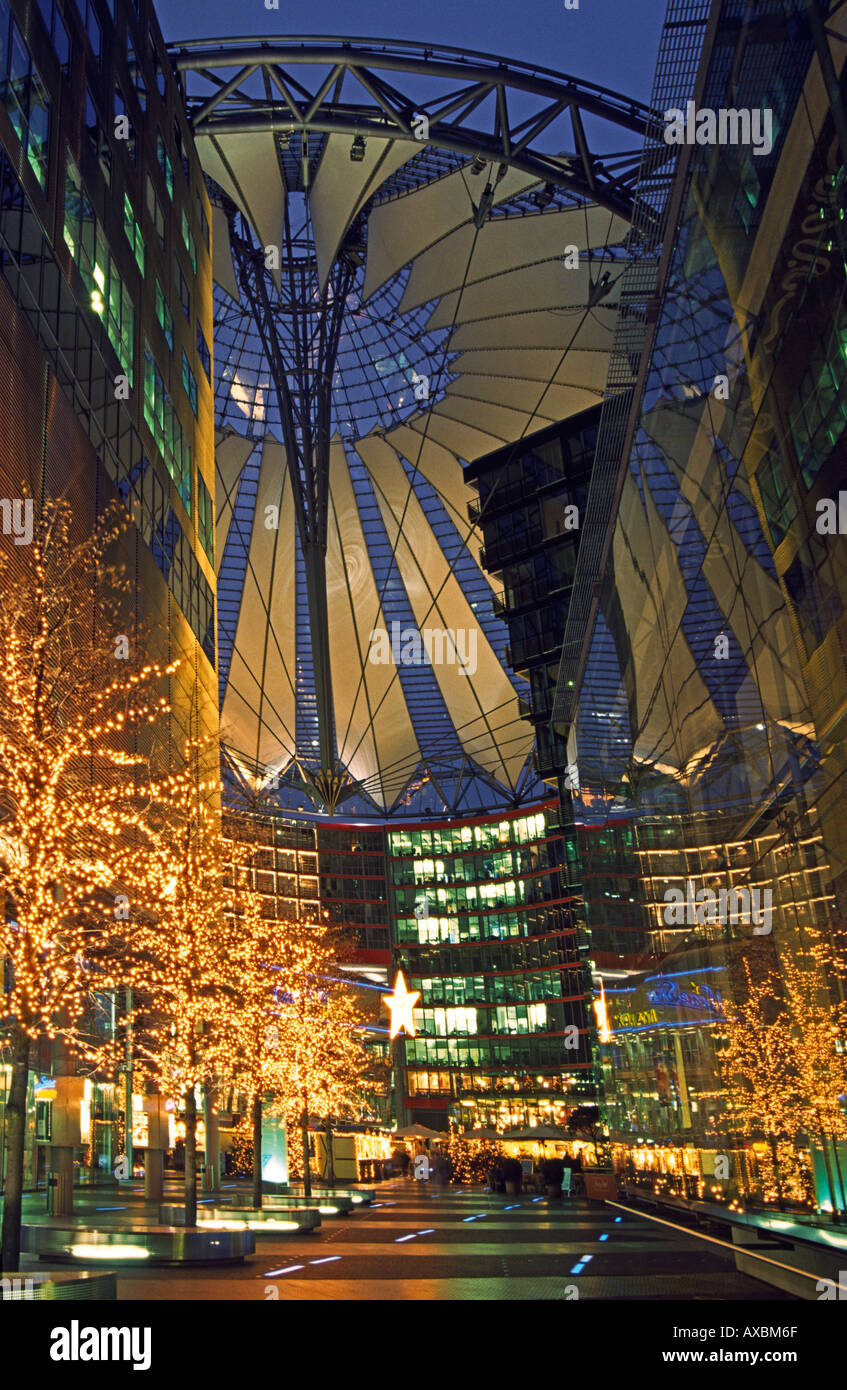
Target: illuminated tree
{"points": [[809, 971], [255, 1056], [758, 1067], [182, 942], [74, 700], [320, 1060]]}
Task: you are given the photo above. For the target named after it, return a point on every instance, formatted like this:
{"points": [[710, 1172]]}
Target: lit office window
{"points": [[108, 298], [163, 423], [164, 316], [134, 235], [189, 242], [165, 165], [189, 383], [26, 97]]}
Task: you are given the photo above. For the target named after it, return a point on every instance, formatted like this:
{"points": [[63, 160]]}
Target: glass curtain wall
{"points": [[710, 736]]}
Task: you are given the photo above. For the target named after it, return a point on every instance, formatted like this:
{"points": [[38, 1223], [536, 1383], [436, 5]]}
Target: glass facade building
{"points": [[709, 731], [105, 298], [486, 921]]}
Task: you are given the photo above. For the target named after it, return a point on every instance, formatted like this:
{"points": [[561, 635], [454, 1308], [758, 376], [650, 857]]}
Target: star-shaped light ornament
{"points": [[402, 1003]]}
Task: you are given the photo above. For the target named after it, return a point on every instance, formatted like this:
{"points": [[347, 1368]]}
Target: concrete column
{"points": [[154, 1175], [62, 1168]]}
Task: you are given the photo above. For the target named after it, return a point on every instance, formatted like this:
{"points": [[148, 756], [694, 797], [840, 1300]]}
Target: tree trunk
{"points": [[776, 1173], [304, 1129], [840, 1203], [190, 1157], [330, 1158], [15, 1145], [257, 1151], [830, 1183]]}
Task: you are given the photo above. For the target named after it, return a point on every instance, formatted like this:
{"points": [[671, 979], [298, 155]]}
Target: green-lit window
{"points": [[165, 165], [205, 519], [26, 98], [189, 242], [164, 316], [134, 234], [777, 497], [163, 423], [189, 383], [109, 298]]}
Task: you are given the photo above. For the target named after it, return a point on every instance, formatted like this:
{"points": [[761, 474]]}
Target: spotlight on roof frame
{"points": [[477, 164], [357, 149], [544, 197]]}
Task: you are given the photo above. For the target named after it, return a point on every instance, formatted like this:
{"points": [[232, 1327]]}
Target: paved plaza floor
{"points": [[421, 1241]]}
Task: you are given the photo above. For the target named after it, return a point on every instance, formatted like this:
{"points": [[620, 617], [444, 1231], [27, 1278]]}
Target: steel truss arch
{"points": [[528, 140], [363, 371]]}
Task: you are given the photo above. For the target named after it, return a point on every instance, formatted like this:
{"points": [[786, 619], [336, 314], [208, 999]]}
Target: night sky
{"points": [[613, 42]]}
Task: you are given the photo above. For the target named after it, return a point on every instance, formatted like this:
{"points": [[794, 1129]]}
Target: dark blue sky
{"points": [[612, 42]]}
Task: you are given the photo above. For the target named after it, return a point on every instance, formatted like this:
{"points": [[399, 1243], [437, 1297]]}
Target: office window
{"points": [[204, 354], [205, 519], [109, 298], [57, 31], [26, 97], [165, 165], [125, 133], [163, 423], [135, 73], [92, 26], [202, 221], [182, 289], [157, 66], [189, 383], [134, 234], [95, 134], [189, 242], [180, 146], [157, 215], [165, 317]]}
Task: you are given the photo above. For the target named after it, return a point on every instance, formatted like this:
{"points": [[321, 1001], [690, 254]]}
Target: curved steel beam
{"points": [[380, 110]]}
